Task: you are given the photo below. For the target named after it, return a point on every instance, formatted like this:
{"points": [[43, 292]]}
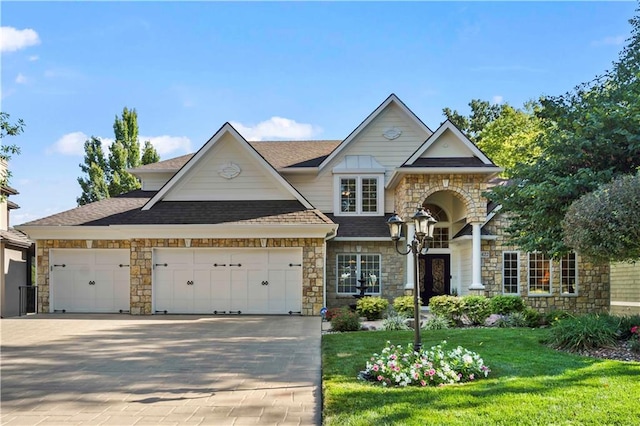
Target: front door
{"points": [[434, 276]]}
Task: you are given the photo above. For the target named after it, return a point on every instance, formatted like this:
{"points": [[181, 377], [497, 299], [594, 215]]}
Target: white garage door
{"points": [[239, 281], [89, 280]]}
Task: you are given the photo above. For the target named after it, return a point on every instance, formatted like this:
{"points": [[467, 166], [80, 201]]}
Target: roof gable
{"points": [[227, 168], [448, 142], [391, 134]]}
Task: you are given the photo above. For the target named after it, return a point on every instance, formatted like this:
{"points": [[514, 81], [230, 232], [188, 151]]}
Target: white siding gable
{"points": [[205, 181], [448, 145]]}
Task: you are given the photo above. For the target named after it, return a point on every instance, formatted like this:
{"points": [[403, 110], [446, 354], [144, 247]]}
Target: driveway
{"points": [[160, 370]]}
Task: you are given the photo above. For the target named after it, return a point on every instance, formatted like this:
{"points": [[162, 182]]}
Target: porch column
{"points": [[476, 258], [410, 265]]}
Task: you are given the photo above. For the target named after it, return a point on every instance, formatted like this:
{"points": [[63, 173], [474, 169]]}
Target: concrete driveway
{"points": [[161, 370]]}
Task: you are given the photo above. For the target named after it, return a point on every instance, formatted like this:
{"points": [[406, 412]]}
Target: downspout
{"points": [[329, 236]]}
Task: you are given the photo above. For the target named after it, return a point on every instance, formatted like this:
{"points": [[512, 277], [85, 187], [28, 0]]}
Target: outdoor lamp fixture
{"points": [[424, 224]]}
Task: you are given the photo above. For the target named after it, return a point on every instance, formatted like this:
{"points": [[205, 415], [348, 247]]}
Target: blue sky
{"points": [[291, 70]]}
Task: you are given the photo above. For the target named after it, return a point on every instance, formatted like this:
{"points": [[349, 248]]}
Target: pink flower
{"points": [[423, 383], [471, 377], [380, 378], [634, 329], [432, 372]]}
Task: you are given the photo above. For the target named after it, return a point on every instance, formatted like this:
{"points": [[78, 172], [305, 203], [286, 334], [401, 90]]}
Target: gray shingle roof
{"points": [[126, 210], [362, 226], [15, 237]]}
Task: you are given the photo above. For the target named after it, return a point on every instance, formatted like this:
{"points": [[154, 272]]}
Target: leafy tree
{"points": [[94, 186], [604, 224], [482, 113], [8, 150], [149, 154], [591, 135], [124, 154]]}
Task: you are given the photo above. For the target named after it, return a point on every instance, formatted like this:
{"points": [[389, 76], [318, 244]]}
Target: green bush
{"points": [[449, 307], [626, 322], [506, 304], [395, 322], [533, 317], [476, 308], [332, 312], [436, 322], [584, 332], [345, 320], [404, 305], [555, 316], [514, 319], [372, 307]]}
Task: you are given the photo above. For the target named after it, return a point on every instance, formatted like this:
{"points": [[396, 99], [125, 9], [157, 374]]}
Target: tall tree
{"points": [[94, 185], [124, 153], [8, 150], [482, 113], [149, 154], [591, 135]]}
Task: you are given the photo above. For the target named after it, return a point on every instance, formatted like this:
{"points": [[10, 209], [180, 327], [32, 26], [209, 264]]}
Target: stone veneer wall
{"points": [[413, 190], [392, 277], [593, 279], [141, 251]]}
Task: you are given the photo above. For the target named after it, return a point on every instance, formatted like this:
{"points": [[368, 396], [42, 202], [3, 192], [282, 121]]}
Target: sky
{"points": [[275, 70]]}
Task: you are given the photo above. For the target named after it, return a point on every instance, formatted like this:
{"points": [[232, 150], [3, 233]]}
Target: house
{"points": [[15, 256], [625, 288], [294, 226]]}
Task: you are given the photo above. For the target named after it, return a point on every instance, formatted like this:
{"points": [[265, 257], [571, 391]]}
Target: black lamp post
{"points": [[424, 224]]}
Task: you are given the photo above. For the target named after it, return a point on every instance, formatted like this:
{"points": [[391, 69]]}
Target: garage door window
{"points": [[353, 269]]}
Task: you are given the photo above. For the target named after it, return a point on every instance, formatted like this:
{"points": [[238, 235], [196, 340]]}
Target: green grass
{"points": [[529, 384]]}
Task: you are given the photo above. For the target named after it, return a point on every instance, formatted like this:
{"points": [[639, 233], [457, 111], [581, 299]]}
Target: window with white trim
{"points": [[510, 272], [568, 274], [539, 274], [359, 195], [353, 270]]}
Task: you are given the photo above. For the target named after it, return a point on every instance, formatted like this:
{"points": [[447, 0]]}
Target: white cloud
{"points": [[33, 58], [12, 39], [277, 128], [21, 79], [609, 41], [497, 99], [167, 144], [69, 144]]}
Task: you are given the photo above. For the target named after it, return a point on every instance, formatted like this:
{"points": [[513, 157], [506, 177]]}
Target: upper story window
{"points": [[358, 186], [359, 195]]}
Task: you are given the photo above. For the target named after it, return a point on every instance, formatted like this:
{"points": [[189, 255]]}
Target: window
{"points": [[440, 238], [539, 274], [568, 274], [510, 272], [359, 195], [356, 269]]}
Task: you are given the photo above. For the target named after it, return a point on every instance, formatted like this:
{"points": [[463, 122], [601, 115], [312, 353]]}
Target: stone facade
{"points": [[141, 251], [392, 277]]}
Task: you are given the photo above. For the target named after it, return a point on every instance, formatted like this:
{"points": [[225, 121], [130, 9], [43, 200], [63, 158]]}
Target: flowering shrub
{"points": [[635, 338], [402, 366]]}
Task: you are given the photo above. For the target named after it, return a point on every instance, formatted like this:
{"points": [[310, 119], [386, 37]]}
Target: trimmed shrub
{"points": [[345, 320], [506, 304], [476, 308], [584, 332], [372, 307], [332, 312], [404, 305], [533, 317], [449, 307]]}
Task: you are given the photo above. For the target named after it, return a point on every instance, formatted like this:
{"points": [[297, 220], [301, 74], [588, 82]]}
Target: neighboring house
{"points": [[15, 255], [625, 288], [291, 227]]}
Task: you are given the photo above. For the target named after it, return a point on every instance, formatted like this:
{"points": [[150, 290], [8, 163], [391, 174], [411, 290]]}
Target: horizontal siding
{"points": [[204, 182], [625, 282], [156, 181], [317, 189], [448, 145]]}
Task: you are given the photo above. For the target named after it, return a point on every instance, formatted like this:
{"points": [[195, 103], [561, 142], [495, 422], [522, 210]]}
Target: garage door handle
{"points": [[189, 282], [265, 282], [295, 264], [235, 264], [219, 264], [92, 283]]}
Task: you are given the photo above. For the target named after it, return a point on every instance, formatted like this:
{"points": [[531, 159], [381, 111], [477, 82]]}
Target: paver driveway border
{"points": [[161, 370]]}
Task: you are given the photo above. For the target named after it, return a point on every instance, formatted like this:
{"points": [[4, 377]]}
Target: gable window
{"points": [[539, 274], [568, 274], [510, 272], [355, 269], [359, 195]]}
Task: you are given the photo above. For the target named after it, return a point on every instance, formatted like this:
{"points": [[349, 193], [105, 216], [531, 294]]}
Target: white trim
{"points": [[529, 294], [391, 99], [576, 284], [202, 152], [337, 192], [624, 303]]}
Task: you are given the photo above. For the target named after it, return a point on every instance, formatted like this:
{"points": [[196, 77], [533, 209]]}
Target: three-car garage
{"points": [[184, 280]]}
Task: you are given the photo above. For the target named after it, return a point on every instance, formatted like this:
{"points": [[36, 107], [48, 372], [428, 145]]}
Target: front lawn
{"points": [[529, 384]]}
